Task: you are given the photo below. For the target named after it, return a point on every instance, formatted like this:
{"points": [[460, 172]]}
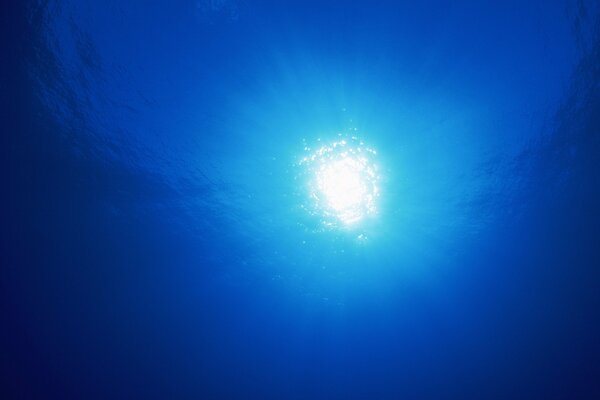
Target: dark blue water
{"points": [[159, 234]]}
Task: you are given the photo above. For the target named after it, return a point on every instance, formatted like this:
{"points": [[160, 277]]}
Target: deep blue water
{"points": [[157, 231]]}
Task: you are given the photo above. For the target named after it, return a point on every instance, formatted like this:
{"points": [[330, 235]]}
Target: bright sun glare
{"points": [[343, 181]]}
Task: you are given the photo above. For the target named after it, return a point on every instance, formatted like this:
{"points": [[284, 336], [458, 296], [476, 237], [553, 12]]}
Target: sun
{"points": [[343, 181]]}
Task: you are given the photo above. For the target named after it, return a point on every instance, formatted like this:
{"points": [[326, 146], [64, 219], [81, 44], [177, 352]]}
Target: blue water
{"points": [[159, 235]]}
